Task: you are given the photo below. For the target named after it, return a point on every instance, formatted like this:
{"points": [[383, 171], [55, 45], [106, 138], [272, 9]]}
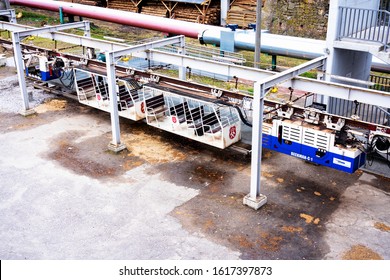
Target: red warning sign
{"points": [[232, 132]]}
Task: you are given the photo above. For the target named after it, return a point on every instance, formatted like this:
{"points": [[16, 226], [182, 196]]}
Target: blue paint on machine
{"points": [[316, 155]]}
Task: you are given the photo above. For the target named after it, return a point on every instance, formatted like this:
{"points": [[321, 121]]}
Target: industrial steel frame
{"points": [[264, 80]]}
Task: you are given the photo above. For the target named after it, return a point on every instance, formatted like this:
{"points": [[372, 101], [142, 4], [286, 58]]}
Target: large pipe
{"points": [[270, 43], [167, 25], [209, 34]]}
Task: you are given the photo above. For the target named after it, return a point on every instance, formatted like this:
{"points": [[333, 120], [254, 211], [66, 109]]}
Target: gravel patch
{"points": [[10, 96]]}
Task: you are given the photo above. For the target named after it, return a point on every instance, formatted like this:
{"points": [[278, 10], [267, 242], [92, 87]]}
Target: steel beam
{"points": [[255, 199], [291, 73], [221, 68], [150, 45], [347, 92], [111, 56], [10, 14], [51, 29], [257, 61], [69, 38]]}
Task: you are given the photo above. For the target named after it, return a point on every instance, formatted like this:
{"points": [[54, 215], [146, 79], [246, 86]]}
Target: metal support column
{"points": [[61, 11], [255, 199], [26, 111], [182, 67], [274, 62], [115, 145], [259, 3], [225, 5]]}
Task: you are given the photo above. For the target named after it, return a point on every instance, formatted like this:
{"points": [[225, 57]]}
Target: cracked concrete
{"points": [[354, 223], [49, 212]]}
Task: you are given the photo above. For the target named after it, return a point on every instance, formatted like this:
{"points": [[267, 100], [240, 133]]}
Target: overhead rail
{"points": [[347, 92], [271, 43]]}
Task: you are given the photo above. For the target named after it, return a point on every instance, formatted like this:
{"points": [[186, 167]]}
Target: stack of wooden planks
{"points": [[124, 5], [189, 12], [154, 8], [207, 14], [85, 2], [242, 12]]}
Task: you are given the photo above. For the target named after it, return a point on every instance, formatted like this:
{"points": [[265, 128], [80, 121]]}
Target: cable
{"points": [[373, 149], [243, 119], [70, 77]]}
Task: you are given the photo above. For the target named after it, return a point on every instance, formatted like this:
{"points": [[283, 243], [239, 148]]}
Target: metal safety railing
{"points": [[368, 113], [364, 24], [380, 83]]}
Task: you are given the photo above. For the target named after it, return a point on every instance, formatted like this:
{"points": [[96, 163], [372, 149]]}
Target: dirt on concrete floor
{"points": [[312, 212]]}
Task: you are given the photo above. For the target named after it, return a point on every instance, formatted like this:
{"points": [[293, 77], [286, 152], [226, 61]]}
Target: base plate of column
{"points": [[255, 203], [116, 148], [28, 112]]}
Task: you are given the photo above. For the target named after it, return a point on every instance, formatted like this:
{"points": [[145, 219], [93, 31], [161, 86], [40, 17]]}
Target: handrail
{"points": [[364, 24]]}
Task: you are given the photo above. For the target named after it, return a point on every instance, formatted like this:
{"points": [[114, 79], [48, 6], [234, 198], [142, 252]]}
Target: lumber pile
{"points": [[179, 11], [242, 12], [124, 5], [188, 12], [86, 2], [154, 8]]}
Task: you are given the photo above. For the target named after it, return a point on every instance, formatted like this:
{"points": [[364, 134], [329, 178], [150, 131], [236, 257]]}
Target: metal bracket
{"points": [[285, 114], [216, 92], [334, 126], [312, 116]]}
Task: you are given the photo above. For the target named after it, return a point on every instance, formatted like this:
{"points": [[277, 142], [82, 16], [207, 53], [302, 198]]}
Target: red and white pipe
{"points": [[166, 25]]}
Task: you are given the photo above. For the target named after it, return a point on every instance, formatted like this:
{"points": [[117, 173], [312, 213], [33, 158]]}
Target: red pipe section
{"points": [[166, 25]]}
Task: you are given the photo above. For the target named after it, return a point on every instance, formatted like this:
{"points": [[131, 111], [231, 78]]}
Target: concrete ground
{"points": [[64, 196]]}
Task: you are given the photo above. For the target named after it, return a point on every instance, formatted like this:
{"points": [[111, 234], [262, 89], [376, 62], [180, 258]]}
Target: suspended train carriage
{"points": [[184, 110], [92, 90], [315, 136], [166, 108]]}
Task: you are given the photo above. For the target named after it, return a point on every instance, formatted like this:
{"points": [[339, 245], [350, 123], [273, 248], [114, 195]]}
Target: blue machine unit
{"points": [[43, 69], [311, 143]]}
